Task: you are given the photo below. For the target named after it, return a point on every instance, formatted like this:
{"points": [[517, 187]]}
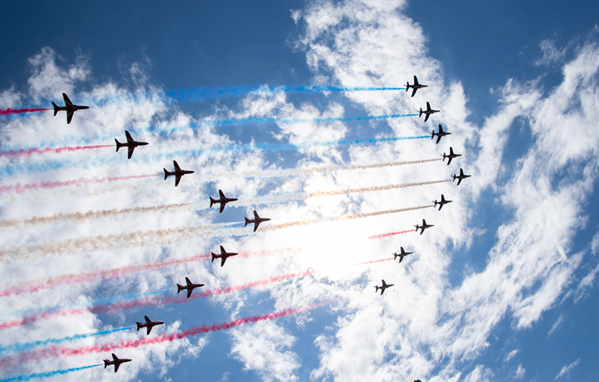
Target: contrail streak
{"points": [[20, 111], [48, 374], [48, 150], [390, 234], [68, 279]]}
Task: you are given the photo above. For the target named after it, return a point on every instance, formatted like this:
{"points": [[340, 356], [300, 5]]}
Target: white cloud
{"points": [[566, 369], [551, 54], [520, 372], [512, 354], [556, 324]]}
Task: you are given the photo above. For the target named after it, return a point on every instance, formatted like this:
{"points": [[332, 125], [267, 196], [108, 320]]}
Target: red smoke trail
{"points": [[19, 111], [19, 188], [55, 351], [118, 272], [390, 234], [53, 150]]}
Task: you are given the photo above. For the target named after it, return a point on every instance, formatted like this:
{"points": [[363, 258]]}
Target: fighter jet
{"points": [[401, 255], [68, 107], [442, 202], [382, 288], [178, 173], [460, 177], [423, 227], [256, 220], [223, 255], [416, 86], [450, 156], [190, 287], [428, 111], [223, 200], [440, 134], [116, 361], [148, 325], [131, 144]]}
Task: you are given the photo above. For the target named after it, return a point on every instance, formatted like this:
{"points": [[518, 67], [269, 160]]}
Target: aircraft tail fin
{"points": [[212, 201], [407, 86], [179, 288], [118, 145], [105, 363], [213, 256], [166, 173], [55, 108], [420, 113], [138, 325], [247, 221]]}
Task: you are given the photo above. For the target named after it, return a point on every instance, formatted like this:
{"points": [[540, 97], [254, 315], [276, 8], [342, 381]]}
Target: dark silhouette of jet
{"points": [[416, 86], [440, 134], [148, 325], [68, 107], [256, 220], [223, 200], [460, 177], [450, 156], [382, 288], [178, 173], [131, 144], [442, 202], [224, 255], [428, 111], [116, 361], [423, 227], [401, 255], [190, 287]]}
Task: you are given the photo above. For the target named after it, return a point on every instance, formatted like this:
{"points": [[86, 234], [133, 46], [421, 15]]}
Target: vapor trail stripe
{"points": [[390, 234], [49, 150], [37, 285], [48, 374], [224, 92], [31, 345], [21, 111], [19, 188]]}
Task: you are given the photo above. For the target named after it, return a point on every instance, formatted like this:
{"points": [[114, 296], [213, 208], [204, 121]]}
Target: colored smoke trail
{"points": [[19, 188], [37, 285], [21, 111], [390, 234], [48, 374], [224, 92], [51, 341], [56, 351], [51, 150]]}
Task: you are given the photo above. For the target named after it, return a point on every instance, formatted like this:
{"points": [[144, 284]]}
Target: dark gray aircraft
{"points": [[222, 200], [148, 325], [131, 144], [190, 287], [68, 107], [401, 255], [256, 220], [116, 361], [224, 255], [423, 227], [382, 288], [178, 173], [428, 111], [442, 202], [460, 177], [450, 156], [416, 86], [440, 134]]}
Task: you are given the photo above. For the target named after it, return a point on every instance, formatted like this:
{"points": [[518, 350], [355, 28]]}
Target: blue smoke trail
{"points": [[224, 92], [30, 345], [48, 374]]}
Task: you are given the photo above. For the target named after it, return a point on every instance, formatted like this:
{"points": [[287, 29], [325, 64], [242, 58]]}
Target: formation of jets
{"points": [[450, 156], [224, 255], [460, 177], [116, 361], [383, 287], [401, 255], [149, 324], [423, 226], [178, 173], [440, 134], [416, 86], [256, 220], [69, 107], [441, 203], [131, 144], [428, 112], [189, 286], [222, 200]]}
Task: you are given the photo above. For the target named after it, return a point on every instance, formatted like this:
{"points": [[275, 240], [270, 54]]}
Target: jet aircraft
{"points": [[256, 220], [382, 288], [116, 361], [450, 156], [148, 325], [223, 200], [131, 144], [68, 107], [423, 227], [460, 177], [190, 287], [428, 111], [442, 202], [224, 255], [178, 173], [416, 86], [440, 134], [401, 255]]}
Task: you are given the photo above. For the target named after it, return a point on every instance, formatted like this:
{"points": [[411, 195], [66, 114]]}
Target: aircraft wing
{"points": [[428, 106], [67, 101], [256, 215], [131, 148], [459, 181], [189, 290], [416, 81], [414, 92], [69, 115], [116, 366], [426, 118], [177, 168], [256, 224], [400, 259], [449, 161], [222, 206], [129, 139], [177, 179], [440, 206], [222, 260], [149, 327], [220, 193], [438, 138]]}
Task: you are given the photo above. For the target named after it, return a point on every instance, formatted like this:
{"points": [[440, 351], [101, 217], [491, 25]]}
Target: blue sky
{"points": [[502, 288]]}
